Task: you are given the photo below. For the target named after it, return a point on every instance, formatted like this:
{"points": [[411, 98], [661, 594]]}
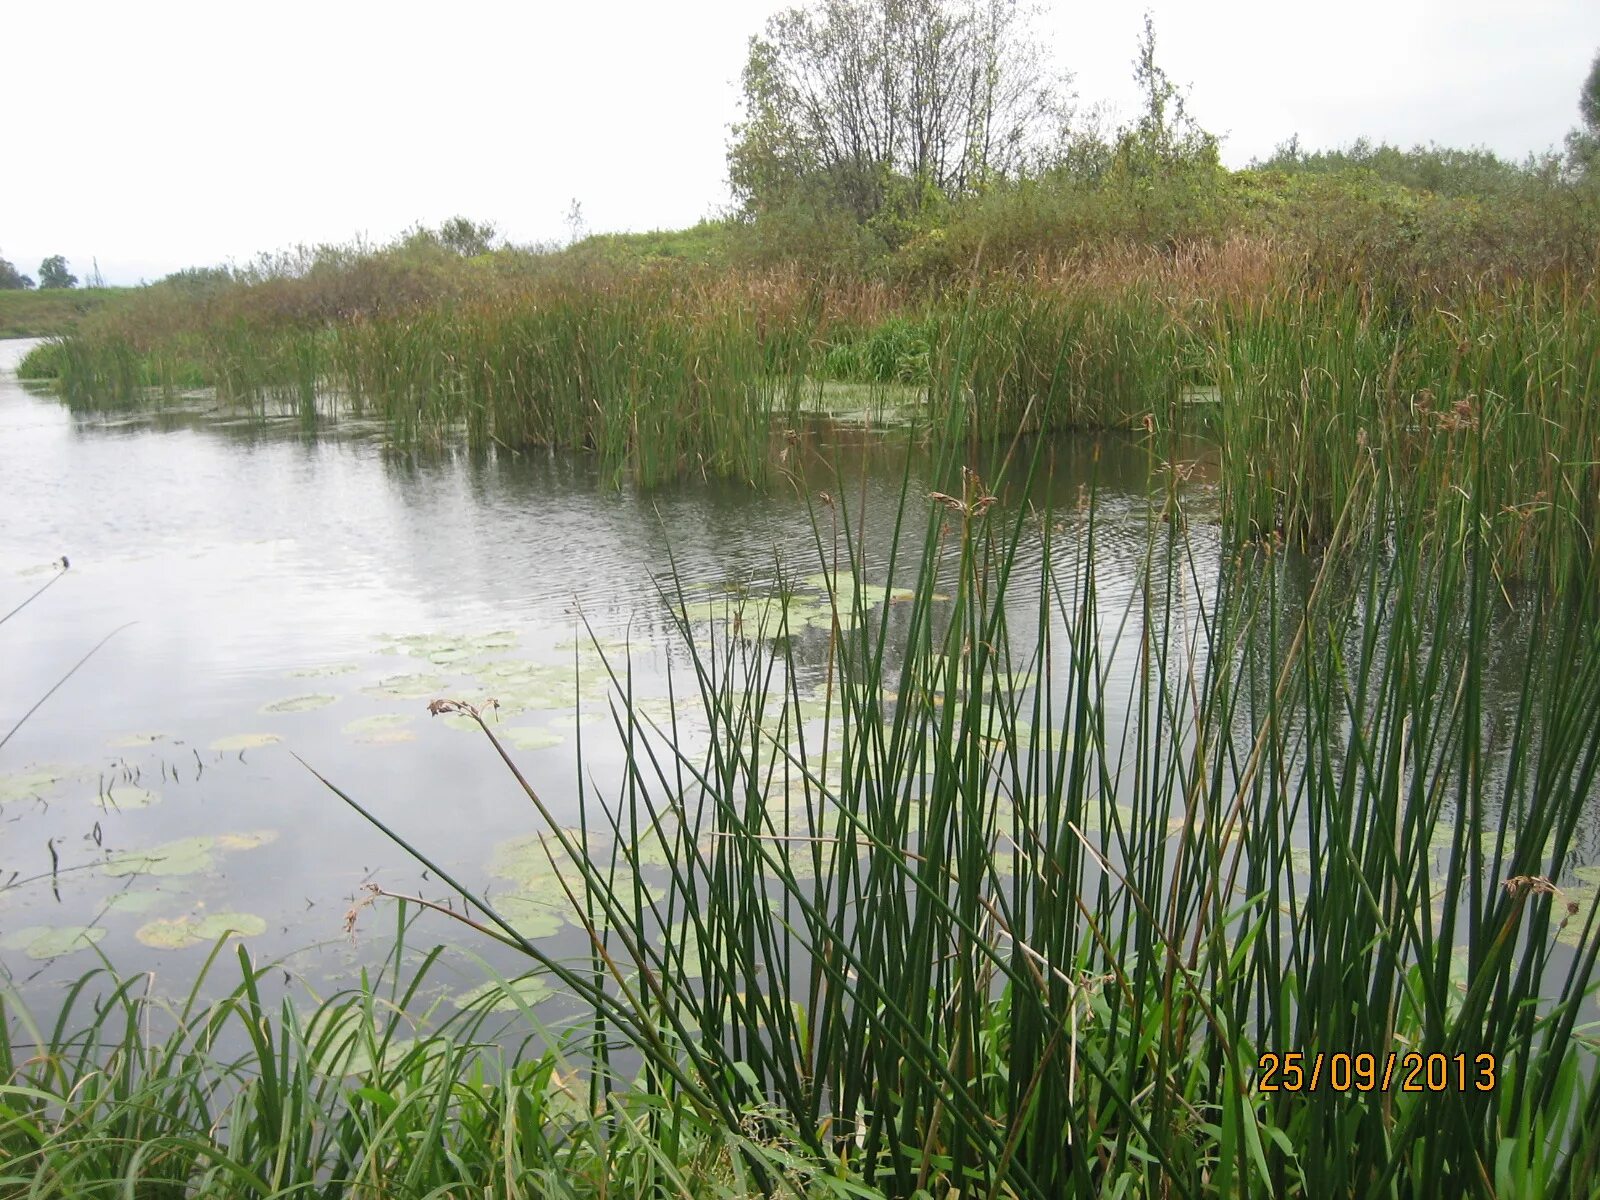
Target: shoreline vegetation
{"points": [[993, 931], [1310, 379]]}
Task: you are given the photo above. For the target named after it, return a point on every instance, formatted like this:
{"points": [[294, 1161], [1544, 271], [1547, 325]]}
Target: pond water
{"points": [[258, 599], [268, 592]]}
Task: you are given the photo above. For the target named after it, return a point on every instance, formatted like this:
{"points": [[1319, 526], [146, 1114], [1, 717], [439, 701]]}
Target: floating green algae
{"points": [[532, 697], [246, 841], [753, 615], [590, 647]]}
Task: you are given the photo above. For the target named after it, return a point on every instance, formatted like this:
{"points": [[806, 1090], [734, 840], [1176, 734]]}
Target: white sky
{"points": [[160, 135]]}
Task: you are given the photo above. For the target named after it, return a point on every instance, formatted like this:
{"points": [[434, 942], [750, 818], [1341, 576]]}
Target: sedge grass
{"points": [[368, 1092]]}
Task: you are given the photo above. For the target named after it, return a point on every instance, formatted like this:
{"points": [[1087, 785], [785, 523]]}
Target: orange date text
{"points": [[1411, 1071]]}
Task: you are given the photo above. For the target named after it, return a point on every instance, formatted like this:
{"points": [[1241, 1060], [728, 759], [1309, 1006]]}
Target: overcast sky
{"points": [[159, 135]]}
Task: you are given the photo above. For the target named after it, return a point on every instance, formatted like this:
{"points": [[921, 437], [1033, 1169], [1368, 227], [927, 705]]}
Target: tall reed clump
{"points": [[659, 384], [1018, 894], [1483, 393], [1030, 358]]}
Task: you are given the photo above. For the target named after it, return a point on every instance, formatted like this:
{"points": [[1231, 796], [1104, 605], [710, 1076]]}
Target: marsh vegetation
{"points": [[1051, 631]]}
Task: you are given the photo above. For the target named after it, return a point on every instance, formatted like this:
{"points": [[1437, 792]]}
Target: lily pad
{"points": [[512, 669], [43, 941], [844, 586], [683, 950], [531, 915], [409, 687], [295, 704], [524, 738], [573, 720], [35, 781], [122, 797], [194, 929], [246, 841], [324, 672], [134, 900], [511, 996], [519, 699], [524, 861], [135, 741], [446, 648], [766, 616], [1574, 907], [389, 737], [186, 856], [245, 741], [380, 723], [592, 647]]}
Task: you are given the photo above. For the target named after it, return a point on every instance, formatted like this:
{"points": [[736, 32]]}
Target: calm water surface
{"points": [[264, 585]]}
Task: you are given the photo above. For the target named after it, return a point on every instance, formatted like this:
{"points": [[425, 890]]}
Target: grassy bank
{"points": [[51, 312], [974, 910]]}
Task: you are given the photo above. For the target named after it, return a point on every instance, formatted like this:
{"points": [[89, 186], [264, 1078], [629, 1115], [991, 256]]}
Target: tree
{"points": [[869, 101], [53, 273], [1583, 145], [468, 238], [11, 279], [1165, 137]]}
